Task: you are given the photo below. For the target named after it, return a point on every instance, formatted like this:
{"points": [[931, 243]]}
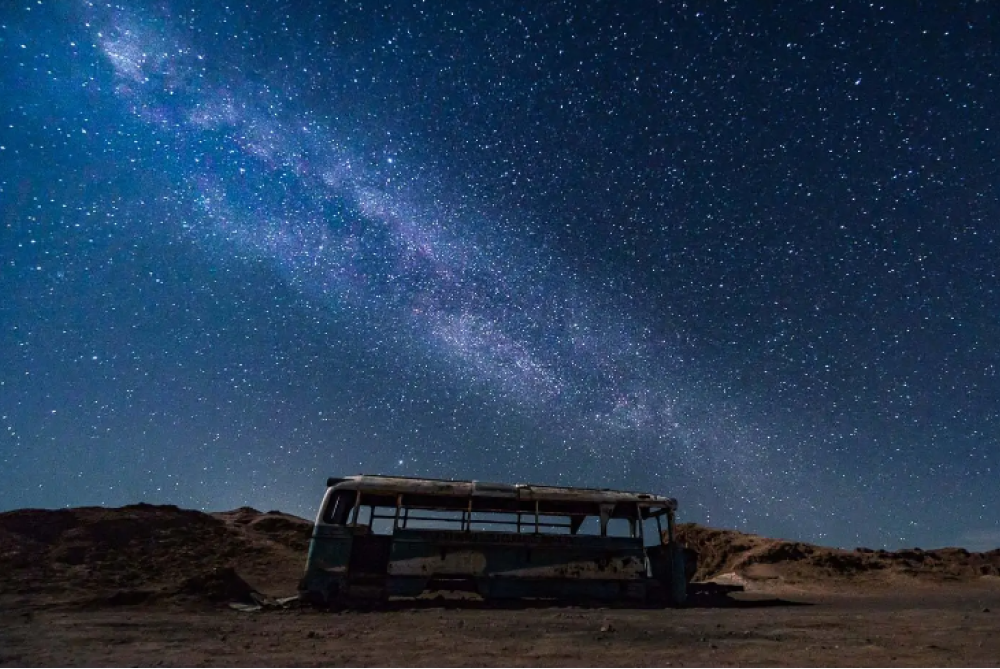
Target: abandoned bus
{"points": [[377, 537]]}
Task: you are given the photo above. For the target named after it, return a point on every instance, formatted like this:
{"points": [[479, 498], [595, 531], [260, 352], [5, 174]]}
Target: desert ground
{"points": [[152, 585]]}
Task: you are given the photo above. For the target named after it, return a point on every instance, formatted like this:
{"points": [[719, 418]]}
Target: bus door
{"points": [[657, 550], [369, 551]]}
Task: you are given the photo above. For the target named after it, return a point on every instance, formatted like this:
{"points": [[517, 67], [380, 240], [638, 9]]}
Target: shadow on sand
{"points": [[716, 596], [700, 596]]}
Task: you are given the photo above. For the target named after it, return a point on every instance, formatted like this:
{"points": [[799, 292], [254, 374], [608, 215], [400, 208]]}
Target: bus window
{"points": [[364, 516], [620, 527], [486, 521], [591, 526], [651, 532], [431, 519], [382, 523], [339, 509]]}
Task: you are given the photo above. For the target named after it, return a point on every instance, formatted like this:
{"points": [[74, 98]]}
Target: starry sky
{"points": [[740, 253]]}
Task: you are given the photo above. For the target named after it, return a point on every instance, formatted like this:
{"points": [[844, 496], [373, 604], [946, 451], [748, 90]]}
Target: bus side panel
{"points": [[558, 565], [678, 576], [326, 566], [613, 590]]}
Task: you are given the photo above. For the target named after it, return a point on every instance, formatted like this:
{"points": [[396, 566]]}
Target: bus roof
{"points": [[521, 491]]}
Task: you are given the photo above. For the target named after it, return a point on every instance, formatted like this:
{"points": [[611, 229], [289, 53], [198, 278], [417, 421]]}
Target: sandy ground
{"points": [[150, 585], [932, 626]]}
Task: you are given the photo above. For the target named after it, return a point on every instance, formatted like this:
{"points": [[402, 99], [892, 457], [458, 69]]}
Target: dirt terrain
{"points": [[756, 560], [151, 585]]}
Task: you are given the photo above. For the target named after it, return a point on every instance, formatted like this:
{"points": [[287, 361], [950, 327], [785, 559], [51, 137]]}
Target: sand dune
{"points": [[755, 560], [95, 551]]}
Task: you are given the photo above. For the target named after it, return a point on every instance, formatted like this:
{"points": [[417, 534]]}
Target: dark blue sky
{"points": [[743, 253]]}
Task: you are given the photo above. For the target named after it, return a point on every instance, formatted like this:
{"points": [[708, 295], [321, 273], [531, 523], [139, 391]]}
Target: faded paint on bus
{"points": [[543, 554]]}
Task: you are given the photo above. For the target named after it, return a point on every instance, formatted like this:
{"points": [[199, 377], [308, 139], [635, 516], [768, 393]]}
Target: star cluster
{"points": [[743, 256]]}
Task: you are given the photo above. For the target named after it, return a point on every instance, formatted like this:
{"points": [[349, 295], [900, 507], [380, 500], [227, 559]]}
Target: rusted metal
{"points": [[442, 487], [544, 558]]}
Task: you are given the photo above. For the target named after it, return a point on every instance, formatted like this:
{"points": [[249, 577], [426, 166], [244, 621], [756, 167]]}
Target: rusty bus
{"points": [[377, 537]]}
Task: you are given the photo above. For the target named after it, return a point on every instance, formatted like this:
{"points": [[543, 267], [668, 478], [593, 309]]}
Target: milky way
{"points": [[522, 325], [498, 313]]}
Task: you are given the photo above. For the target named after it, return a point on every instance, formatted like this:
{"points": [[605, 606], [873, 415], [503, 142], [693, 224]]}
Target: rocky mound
{"points": [[131, 554], [749, 556], [290, 531], [136, 550]]}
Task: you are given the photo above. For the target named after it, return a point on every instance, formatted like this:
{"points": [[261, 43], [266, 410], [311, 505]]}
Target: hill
{"points": [[729, 555], [66, 574], [143, 549]]}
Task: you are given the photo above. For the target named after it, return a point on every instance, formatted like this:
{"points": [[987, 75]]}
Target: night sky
{"points": [[744, 254]]}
